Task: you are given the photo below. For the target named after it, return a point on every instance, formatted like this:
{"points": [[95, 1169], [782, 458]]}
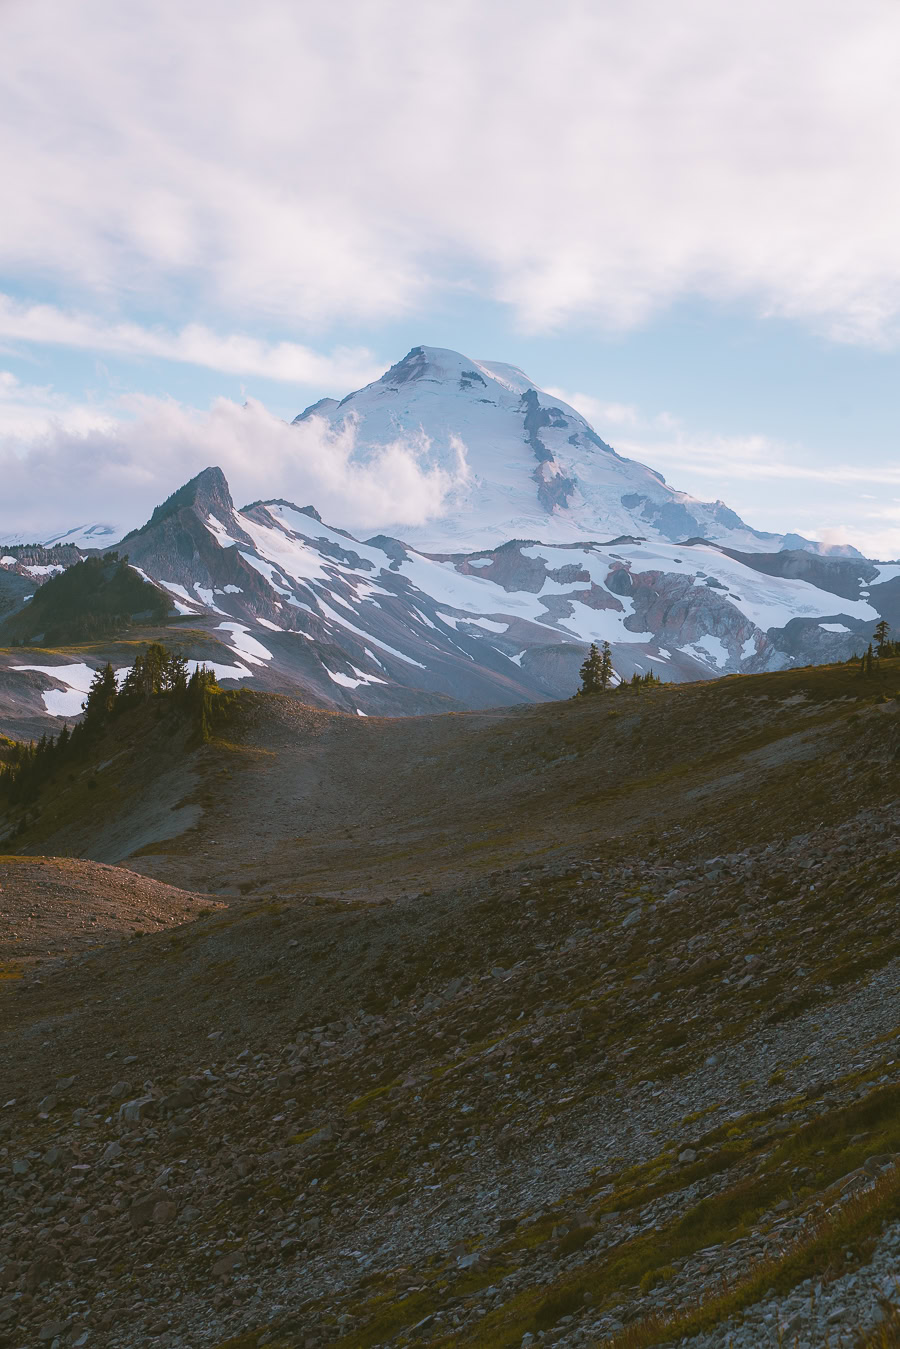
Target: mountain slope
{"points": [[535, 468], [539, 1021], [499, 625], [93, 597], [273, 597]]}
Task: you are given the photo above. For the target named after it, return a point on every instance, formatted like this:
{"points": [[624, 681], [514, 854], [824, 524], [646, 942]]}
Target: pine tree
{"points": [[606, 667], [592, 672], [101, 698], [881, 637]]}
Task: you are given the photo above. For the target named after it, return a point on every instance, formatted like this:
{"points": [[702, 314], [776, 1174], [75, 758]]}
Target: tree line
{"points": [[158, 675], [880, 647], [599, 676], [86, 602]]}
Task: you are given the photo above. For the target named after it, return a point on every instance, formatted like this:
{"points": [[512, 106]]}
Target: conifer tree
{"points": [[606, 667], [592, 672], [101, 698], [881, 637]]}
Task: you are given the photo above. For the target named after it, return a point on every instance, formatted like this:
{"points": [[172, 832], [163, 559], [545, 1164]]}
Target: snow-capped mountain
{"points": [[528, 465], [550, 541], [275, 598]]}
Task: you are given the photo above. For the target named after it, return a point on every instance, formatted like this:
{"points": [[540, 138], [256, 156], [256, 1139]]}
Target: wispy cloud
{"points": [[754, 458], [63, 470], [788, 488], [597, 411], [662, 438], [29, 411], [194, 344], [577, 161]]}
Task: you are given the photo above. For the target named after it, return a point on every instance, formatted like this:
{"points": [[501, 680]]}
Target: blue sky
{"points": [[686, 221]]}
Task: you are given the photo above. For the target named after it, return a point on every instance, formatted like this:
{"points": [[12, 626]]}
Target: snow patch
{"points": [[382, 646], [268, 571], [206, 596], [349, 683], [175, 589], [247, 646], [834, 627], [486, 623], [709, 649], [221, 533], [220, 671], [64, 702]]}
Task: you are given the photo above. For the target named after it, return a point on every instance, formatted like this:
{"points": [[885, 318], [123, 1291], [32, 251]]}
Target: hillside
{"points": [[58, 907], [574, 1021], [95, 597]]}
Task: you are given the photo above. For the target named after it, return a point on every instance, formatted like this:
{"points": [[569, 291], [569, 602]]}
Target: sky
{"points": [[684, 219]]}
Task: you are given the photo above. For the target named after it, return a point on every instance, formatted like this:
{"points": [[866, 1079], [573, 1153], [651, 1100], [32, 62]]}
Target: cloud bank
{"points": [[115, 472], [581, 161]]}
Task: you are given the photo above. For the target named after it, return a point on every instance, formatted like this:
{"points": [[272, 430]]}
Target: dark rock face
{"points": [[671, 518], [619, 581], [886, 599], [838, 575], [508, 569], [207, 493], [177, 545], [808, 643], [678, 612], [413, 366], [554, 488]]}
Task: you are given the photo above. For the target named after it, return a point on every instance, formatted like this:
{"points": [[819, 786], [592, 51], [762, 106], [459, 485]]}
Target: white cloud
{"points": [[117, 471], [597, 412], [753, 458], [28, 411], [579, 160], [194, 344]]}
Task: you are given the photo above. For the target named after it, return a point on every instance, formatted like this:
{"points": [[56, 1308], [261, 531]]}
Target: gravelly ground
{"points": [[549, 1099]]}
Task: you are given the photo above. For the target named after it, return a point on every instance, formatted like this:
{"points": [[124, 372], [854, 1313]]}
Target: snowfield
{"points": [[64, 702]]}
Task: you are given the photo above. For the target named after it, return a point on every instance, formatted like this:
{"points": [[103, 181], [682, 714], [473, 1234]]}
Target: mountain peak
{"points": [[436, 364], [207, 493], [522, 462], [317, 409]]}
